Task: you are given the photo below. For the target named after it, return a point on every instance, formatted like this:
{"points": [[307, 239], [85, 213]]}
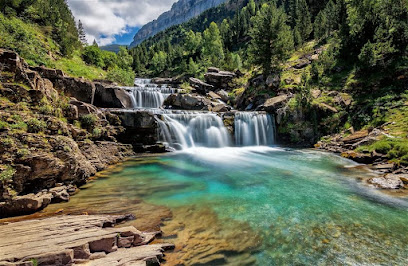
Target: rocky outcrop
{"points": [[81, 89], [200, 86], [111, 97], [195, 102], [394, 176], [220, 79], [271, 105], [71, 240], [32, 203], [167, 81], [181, 11], [141, 130], [48, 139]]}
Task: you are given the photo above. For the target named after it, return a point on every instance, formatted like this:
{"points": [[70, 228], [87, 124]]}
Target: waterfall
{"points": [[254, 129], [193, 129], [146, 94]]}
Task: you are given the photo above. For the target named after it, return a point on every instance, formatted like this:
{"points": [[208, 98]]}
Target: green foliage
{"points": [[25, 39], [121, 76], [36, 126], [76, 67], [7, 173], [193, 42], [89, 121], [272, 38], [159, 61], [396, 149], [92, 55], [304, 26], [47, 13], [193, 68], [212, 50]]}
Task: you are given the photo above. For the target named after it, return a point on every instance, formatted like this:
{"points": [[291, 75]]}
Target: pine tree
{"points": [[212, 45], [95, 43], [81, 32], [272, 38], [304, 26]]}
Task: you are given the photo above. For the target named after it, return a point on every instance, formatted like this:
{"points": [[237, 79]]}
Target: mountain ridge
{"points": [[181, 11]]}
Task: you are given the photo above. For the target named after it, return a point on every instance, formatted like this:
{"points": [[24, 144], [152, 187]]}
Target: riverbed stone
{"points": [[62, 240], [389, 181]]}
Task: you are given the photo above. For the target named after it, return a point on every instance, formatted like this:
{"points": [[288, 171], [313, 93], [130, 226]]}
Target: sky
{"points": [[116, 21]]}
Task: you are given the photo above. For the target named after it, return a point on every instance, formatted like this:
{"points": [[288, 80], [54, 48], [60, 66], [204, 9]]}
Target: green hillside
{"points": [[44, 33]]}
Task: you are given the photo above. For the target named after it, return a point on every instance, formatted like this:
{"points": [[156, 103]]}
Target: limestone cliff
{"points": [[181, 11]]}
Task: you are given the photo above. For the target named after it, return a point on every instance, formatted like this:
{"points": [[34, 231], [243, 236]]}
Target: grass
{"points": [[26, 39], [396, 149], [77, 68]]}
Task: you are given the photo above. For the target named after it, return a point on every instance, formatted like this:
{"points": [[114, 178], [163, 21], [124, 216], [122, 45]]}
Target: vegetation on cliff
{"points": [[45, 33]]}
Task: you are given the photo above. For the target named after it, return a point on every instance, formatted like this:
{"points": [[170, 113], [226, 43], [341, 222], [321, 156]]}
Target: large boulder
{"points": [[220, 79], [273, 104], [200, 86], [141, 127], [111, 97], [172, 81], [188, 102], [80, 89]]}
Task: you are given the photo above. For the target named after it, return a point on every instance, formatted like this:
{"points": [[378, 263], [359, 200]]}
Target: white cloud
{"points": [[103, 19]]}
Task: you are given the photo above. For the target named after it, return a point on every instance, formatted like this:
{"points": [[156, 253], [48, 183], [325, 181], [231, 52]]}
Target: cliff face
{"points": [[182, 11]]}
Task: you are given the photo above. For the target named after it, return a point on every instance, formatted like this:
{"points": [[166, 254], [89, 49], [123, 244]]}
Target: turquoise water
{"points": [[305, 207]]}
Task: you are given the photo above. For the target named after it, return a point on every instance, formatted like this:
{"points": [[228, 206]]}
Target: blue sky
{"points": [[116, 21]]}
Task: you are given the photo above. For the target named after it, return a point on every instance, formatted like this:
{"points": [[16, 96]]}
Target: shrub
{"points": [[92, 55], [7, 173], [89, 121], [97, 132], [36, 126], [4, 125], [382, 147], [22, 152], [19, 125], [121, 76]]}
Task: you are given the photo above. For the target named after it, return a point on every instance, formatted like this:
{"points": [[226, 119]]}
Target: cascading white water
{"points": [[184, 130], [146, 94], [254, 129]]}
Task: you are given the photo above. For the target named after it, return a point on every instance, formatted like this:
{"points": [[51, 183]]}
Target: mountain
{"points": [[181, 11]]}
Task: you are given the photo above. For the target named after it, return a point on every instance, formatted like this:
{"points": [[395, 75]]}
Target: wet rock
{"points": [[359, 157], [141, 128], [224, 95], [220, 108], [390, 181], [26, 204], [384, 167], [188, 102]]}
